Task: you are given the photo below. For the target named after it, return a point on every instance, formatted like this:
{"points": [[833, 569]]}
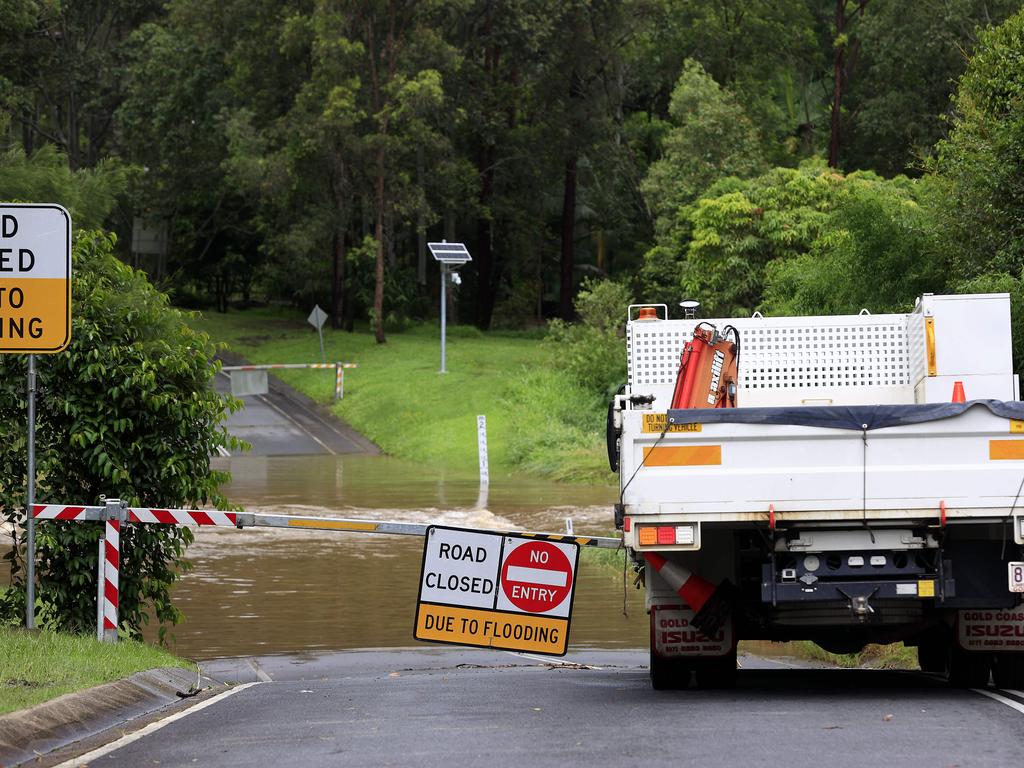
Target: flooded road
{"points": [[260, 591]]}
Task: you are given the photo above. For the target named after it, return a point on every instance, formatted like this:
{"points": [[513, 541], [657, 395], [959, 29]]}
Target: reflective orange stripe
{"points": [[1006, 449], [683, 456], [929, 341]]}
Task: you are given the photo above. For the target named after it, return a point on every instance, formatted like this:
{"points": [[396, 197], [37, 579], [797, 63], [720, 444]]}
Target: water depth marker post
{"points": [[449, 255], [35, 318]]}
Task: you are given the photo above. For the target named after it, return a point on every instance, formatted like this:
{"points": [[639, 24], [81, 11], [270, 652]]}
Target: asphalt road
{"points": [[284, 422], [459, 707]]}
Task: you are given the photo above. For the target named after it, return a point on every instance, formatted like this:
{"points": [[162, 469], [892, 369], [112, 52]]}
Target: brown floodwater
{"points": [[269, 590]]}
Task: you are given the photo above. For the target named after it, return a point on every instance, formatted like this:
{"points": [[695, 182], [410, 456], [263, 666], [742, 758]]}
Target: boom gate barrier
{"points": [[339, 371], [113, 513]]}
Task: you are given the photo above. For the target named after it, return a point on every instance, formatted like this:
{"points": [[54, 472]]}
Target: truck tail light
{"points": [[666, 535]]}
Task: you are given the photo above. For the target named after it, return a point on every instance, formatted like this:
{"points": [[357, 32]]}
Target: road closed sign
{"points": [[35, 278], [493, 590]]}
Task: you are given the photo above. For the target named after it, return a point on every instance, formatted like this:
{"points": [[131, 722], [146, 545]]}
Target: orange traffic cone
{"points": [[958, 392], [694, 590]]}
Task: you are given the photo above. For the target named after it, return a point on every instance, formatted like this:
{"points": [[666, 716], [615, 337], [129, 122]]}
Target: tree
{"points": [[64, 74], [712, 137], [89, 195], [129, 411], [791, 240], [981, 165], [176, 90], [878, 250], [910, 60], [845, 50]]}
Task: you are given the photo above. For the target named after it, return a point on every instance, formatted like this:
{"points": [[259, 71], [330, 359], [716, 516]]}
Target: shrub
{"points": [[127, 410]]}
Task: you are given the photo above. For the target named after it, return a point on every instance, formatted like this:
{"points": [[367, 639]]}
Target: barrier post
{"points": [[114, 513], [100, 560], [339, 381]]}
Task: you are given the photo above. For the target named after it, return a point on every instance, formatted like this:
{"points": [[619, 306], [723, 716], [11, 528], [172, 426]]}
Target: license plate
{"points": [[1017, 577]]}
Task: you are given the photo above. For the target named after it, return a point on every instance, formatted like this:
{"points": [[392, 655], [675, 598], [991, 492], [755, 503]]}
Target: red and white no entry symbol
{"points": [[536, 577]]}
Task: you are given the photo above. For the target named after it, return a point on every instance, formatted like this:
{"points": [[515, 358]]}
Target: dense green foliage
{"points": [[590, 351], [981, 164], [306, 150], [127, 411]]}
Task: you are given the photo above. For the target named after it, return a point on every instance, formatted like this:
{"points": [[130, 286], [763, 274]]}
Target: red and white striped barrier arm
{"points": [[60, 512], [111, 578], [181, 516], [137, 515]]}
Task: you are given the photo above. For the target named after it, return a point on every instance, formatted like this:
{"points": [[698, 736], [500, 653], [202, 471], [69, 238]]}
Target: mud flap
{"points": [[992, 630], [675, 636]]}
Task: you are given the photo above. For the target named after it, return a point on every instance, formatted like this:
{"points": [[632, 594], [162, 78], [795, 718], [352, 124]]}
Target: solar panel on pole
{"points": [[447, 254], [450, 253]]}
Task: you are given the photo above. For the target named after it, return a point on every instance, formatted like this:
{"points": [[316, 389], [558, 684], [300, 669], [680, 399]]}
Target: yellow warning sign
{"points": [[35, 278], [491, 629], [1016, 426], [655, 422]]}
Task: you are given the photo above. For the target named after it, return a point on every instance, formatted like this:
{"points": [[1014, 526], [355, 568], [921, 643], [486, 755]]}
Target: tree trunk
{"points": [[378, 288], [484, 256], [421, 226], [838, 56], [338, 278], [568, 240]]}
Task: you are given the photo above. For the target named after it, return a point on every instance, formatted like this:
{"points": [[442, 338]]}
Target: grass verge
{"points": [[538, 421], [38, 666], [892, 656]]}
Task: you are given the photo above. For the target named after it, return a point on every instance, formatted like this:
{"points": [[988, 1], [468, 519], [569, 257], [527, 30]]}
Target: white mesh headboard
{"points": [[845, 360]]}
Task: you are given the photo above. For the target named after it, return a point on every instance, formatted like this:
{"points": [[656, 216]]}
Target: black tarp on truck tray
{"points": [[858, 417]]}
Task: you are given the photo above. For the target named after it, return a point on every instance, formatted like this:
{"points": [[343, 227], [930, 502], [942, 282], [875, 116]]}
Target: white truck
{"points": [[847, 499]]}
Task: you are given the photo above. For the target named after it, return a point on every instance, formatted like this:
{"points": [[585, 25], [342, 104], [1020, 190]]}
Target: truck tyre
{"points": [[717, 673], [969, 669], [669, 674], [1008, 670], [933, 654]]}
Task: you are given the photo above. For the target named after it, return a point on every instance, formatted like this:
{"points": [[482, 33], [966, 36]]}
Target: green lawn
{"points": [[537, 421], [37, 666]]}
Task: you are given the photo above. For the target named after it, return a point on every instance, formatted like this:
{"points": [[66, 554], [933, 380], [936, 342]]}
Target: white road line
{"points": [[124, 741], [1001, 699]]}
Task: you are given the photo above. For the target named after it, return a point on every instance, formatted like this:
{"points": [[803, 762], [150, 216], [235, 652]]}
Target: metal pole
{"points": [[30, 586], [444, 310], [100, 561], [320, 332]]}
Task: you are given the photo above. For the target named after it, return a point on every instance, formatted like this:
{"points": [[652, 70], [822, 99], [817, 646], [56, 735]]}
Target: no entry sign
{"points": [[496, 590], [35, 278], [536, 577]]}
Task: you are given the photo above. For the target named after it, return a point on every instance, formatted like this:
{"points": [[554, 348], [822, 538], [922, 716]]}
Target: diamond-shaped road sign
{"points": [[317, 317]]}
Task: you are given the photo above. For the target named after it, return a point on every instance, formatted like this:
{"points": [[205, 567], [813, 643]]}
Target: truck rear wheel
{"points": [[670, 674], [717, 673], [933, 654], [1008, 670], [969, 669]]}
